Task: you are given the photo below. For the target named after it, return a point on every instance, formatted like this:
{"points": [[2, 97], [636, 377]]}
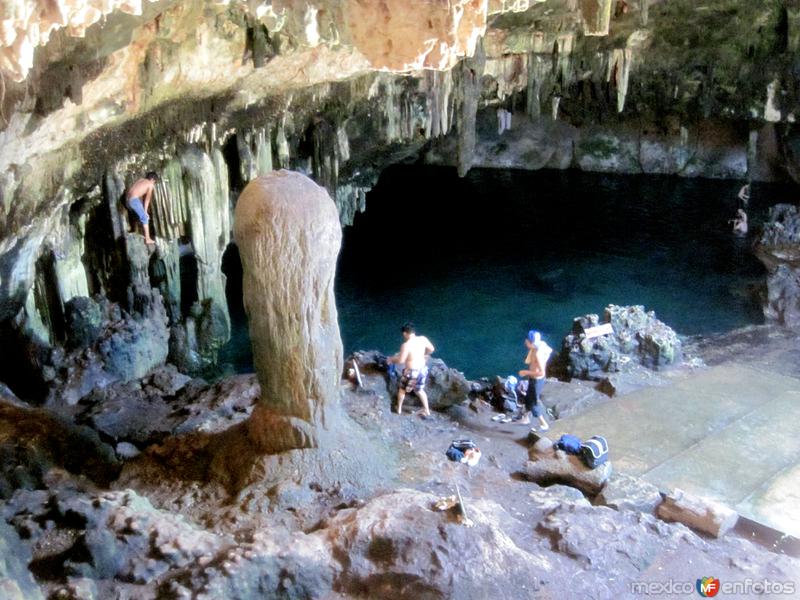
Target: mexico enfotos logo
{"points": [[709, 587]]}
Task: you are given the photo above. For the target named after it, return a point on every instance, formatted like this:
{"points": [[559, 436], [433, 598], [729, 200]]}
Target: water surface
{"points": [[476, 262]]}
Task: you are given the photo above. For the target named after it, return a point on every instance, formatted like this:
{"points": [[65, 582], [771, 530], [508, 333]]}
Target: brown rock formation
{"points": [[397, 37], [288, 233]]}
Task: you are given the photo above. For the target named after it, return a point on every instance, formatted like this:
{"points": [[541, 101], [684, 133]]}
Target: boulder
{"points": [[118, 534], [701, 514], [84, 321], [168, 403], [558, 467], [778, 247], [624, 492], [445, 386], [638, 338], [617, 544]]}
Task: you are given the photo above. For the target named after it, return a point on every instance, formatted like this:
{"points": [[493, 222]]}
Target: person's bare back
{"points": [[414, 351], [143, 188]]}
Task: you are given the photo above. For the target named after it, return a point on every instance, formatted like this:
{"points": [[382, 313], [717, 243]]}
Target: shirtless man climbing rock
{"points": [[413, 356], [138, 198]]}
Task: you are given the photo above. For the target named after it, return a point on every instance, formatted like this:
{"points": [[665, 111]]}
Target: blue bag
{"points": [[594, 451], [457, 448], [571, 444], [454, 454]]}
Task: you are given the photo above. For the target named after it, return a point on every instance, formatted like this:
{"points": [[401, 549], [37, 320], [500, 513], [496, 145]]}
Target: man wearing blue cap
{"points": [[538, 354]]}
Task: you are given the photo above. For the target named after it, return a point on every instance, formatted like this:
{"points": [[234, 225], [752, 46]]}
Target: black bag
{"points": [[594, 451]]}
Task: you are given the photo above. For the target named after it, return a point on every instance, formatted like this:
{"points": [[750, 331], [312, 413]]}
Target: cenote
{"points": [[475, 262]]}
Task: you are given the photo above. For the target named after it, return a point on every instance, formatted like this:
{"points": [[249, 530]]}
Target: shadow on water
{"points": [[476, 262]]}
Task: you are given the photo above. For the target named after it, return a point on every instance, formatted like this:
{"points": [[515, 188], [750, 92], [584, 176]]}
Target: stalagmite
{"points": [[288, 233]]}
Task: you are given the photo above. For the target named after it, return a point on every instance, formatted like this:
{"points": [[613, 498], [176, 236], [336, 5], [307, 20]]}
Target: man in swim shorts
{"points": [[141, 191], [412, 356]]}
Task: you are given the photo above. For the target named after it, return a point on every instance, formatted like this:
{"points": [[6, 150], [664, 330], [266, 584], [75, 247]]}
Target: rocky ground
{"points": [[95, 509]]}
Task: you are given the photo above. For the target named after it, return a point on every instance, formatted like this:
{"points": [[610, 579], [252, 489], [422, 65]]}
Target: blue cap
{"points": [[511, 380], [534, 336]]}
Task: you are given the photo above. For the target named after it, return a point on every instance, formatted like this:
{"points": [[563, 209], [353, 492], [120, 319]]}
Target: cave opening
{"points": [[188, 273], [476, 262], [237, 352], [47, 298], [230, 152]]}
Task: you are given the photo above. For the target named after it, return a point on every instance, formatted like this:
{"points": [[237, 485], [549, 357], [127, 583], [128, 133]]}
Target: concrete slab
{"points": [[730, 432], [734, 461], [776, 503]]}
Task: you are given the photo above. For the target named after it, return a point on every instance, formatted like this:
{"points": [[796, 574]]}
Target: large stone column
{"points": [[288, 233]]}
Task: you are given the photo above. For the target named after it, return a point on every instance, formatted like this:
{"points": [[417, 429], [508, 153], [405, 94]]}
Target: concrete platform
{"points": [[730, 432]]}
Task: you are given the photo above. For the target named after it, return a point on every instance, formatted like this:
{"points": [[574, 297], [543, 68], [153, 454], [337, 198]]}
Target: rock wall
{"points": [[778, 247], [214, 94]]}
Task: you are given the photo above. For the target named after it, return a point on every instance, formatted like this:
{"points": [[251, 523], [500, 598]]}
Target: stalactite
{"points": [[471, 73], [619, 67], [69, 268], [350, 199], [206, 185], [644, 12], [255, 152], [510, 71], [596, 16], [282, 145]]}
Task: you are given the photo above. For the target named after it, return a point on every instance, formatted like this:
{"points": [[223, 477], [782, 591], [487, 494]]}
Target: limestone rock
{"points": [[698, 513], [32, 441], [778, 247], [126, 450], [392, 37], [555, 496], [558, 467], [127, 349], [220, 406], [144, 412], [123, 535], [445, 386], [288, 233], [608, 541], [624, 492], [85, 321], [16, 582], [398, 538], [638, 338]]}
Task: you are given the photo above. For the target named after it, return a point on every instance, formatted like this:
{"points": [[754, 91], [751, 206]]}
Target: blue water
{"points": [[476, 262]]}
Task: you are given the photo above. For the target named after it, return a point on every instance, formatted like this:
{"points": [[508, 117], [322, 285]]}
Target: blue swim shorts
{"points": [[135, 204], [413, 380]]}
